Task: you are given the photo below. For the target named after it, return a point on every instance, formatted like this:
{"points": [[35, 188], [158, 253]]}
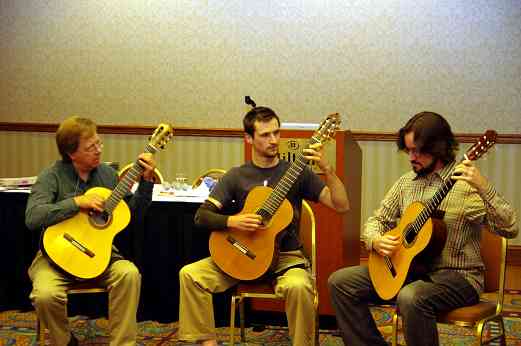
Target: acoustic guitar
{"points": [[247, 255], [81, 246], [388, 273]]}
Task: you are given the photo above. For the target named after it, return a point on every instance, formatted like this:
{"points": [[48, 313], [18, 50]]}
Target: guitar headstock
{"points": [[482, 145], [327, 128], [161, 136]]}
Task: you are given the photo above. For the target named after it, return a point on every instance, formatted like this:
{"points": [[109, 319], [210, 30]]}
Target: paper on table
{"points": [[15, 182], [161, 191]]}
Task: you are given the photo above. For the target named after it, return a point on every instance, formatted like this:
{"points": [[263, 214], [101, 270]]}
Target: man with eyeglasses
{"points": [[452, 279], [57, 195]]}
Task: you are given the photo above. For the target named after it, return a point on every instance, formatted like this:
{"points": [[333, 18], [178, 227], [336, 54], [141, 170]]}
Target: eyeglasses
{"points": [[94, 146], [414, 152]]}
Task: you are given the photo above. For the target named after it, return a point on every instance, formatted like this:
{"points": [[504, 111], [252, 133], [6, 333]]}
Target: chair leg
{"points": [[316, 330], [503, 332], [242, 318], [232, 319], [497, 331], [40, 332], [394, 340]]}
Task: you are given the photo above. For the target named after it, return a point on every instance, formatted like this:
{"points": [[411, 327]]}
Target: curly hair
{"points": [[432, 135]]}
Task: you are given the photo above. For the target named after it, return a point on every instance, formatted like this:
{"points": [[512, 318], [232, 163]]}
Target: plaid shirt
{"points": [[466, 212]]}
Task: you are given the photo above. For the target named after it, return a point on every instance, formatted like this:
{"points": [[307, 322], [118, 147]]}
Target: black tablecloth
{"points": [[160, 244]]}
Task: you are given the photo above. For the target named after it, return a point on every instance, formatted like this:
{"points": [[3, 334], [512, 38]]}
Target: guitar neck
{"points": [[279, 193], [435, 202], [125, 184]]}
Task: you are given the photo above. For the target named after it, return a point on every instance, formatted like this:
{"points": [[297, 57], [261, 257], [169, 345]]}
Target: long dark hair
{"points": [[432, 135]]}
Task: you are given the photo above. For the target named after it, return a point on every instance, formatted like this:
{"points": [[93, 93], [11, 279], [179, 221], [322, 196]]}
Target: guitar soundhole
{"points": [[99, 219]]}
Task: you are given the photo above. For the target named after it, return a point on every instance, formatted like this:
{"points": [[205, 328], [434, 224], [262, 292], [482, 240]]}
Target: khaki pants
{"points": [[199, 280], [48, 296]]}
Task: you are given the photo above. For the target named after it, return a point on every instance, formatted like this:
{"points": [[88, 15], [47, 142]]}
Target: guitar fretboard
{"points": [[432, 205], [475, 152], [125, 184], [279, 193]]}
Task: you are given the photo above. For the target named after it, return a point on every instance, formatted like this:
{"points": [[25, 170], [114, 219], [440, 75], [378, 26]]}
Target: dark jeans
{"points": [[418, 301]]}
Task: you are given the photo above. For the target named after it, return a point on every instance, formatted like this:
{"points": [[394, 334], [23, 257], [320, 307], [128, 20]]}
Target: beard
{"points": [[425, 170], [272, 152]]}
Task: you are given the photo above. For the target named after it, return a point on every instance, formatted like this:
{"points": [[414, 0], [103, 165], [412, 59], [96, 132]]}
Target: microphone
{"points": [[249, 101]]}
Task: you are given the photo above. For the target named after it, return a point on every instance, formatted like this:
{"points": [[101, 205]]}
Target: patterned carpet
{"points": [[18, 328]]}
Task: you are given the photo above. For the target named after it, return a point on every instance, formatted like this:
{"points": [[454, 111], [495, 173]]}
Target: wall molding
{"points": [[125, 129], [513, 254], [228, 132], [514, 251]]}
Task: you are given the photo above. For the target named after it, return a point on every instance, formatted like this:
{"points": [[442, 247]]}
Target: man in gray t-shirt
{"points": [[199, 280]]}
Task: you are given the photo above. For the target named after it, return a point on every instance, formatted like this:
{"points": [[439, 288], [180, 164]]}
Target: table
{"points": [[159, 244], [17, 248]]}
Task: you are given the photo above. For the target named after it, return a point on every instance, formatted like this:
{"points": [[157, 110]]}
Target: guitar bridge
{"points": [[78, 245], [390, 266], [243, 249]]}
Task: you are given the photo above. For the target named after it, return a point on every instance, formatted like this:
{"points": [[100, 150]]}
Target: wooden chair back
{"points": [[158, 177], [215, 173]]}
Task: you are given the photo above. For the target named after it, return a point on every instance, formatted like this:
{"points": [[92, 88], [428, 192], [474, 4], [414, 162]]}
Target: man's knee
{"points": [[300, 284], [342, 277], [407, 298], [334, 279], [127, 271], [186, 272], [45, 296]]}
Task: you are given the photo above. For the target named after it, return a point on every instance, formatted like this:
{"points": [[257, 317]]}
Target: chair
{"points": [[264, 290], [158, 178], [493, 252], [215, 173], [80, 288]]}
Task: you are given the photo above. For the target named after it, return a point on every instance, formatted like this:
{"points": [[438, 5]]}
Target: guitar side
{"points": [[261, 244], [81, 248], [387, 284]]}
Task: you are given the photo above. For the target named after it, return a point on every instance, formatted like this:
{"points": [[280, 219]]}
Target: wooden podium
{"points": [[338, 235]]}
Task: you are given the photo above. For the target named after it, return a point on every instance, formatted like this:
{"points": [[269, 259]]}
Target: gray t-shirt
{"points": [[233, 188]]}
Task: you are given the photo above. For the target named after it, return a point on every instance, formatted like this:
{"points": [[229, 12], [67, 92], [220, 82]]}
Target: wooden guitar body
{"points": [[82, 244], [389, 273], [248, 255]]}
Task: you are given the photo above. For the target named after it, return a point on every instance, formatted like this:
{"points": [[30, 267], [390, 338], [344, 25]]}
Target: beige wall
{"points": [[25, 154], [191, 62]]}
